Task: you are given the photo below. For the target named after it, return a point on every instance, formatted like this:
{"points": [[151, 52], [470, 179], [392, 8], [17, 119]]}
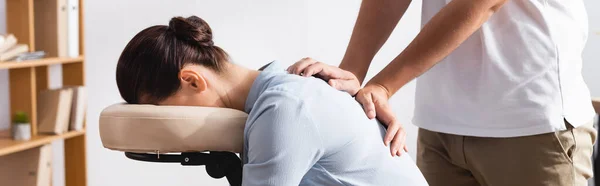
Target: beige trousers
{"points": [[554, 159]]}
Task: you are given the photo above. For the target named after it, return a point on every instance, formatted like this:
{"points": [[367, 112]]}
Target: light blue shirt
{"points": [[300, 131]]}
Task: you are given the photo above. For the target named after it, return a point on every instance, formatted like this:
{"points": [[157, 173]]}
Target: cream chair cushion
{"points": [[167, 129]]}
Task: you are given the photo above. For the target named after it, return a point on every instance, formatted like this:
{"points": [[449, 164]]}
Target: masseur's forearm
{"points": [[438, 38], [376, 21]]}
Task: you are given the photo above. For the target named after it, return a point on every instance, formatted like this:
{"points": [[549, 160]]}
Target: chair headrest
{"points": [[151, 128]]}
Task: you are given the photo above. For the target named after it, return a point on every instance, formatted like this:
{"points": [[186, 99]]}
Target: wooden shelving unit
{"points": [[40, 62], [28, 78], [8, 146]]}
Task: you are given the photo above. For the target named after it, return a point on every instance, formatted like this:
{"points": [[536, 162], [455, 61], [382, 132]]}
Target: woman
{"points": [[292, 136]]}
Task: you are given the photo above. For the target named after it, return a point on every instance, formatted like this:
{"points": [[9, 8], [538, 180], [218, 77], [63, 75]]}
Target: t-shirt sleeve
{"points": [[283, 142]]}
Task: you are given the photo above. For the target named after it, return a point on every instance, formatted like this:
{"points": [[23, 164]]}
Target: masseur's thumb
{"points": [[366, 100], [350, 86]]}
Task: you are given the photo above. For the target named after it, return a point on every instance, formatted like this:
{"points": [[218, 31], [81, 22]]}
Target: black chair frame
{"points": [[218, 164]]}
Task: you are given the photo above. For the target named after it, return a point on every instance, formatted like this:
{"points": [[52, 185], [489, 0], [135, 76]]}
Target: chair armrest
{"points": [[596, 103]]}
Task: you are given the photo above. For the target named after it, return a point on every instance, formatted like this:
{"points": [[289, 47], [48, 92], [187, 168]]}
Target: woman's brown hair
{"points": [[150, 63]]}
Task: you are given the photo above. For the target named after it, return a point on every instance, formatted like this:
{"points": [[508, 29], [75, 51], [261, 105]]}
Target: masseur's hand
{"points": [[373, 98], [336, 77]]}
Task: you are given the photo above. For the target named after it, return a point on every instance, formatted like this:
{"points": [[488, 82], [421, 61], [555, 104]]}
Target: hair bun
{"points": [[193, 29]]}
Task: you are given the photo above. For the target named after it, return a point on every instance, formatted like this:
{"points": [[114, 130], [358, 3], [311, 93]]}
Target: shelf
{"points": [[40, 62], [8, 146]]}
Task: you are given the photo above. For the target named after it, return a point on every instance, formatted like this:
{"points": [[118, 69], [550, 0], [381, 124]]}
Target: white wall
{"points": [[591, 55], [4, 101]]}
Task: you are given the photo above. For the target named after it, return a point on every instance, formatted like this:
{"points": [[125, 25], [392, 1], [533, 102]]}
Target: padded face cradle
{"points": [[150, 128]]}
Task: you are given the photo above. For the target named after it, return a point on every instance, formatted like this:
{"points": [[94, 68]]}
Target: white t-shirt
{"points": [[518, 75]]}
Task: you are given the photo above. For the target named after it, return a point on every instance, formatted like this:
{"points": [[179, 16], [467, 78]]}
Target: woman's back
{"points": [[303, 130]]}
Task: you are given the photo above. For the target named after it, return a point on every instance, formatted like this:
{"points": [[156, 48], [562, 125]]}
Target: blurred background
{"points": [[253, 32]]}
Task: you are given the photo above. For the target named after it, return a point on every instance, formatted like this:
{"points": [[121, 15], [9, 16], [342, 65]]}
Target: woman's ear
{"points": [[192, 80]]}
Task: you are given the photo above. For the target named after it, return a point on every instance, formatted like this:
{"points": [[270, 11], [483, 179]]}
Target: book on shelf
{"points": [[29, 167], [10, 49], [73, 28], [44, 175], [78, 107], [13, 52], [50, 21], [62, 109], [30, 56], [7, 42], [57, 27], [54, 110]]}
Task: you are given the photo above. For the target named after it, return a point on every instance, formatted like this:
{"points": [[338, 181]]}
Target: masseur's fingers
{"points": [[328, 71], [395, 131], [316, 68], [396, 135], [299, 66], [374, 98], [386, 116], [391, 134], [399, 153], [352, 86], [336, 77], [365, 98], [399, 142], [324, 71]]}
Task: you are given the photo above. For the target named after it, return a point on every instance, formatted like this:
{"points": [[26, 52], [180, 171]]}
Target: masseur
{"points": [[503, 101], [299, 131]]}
